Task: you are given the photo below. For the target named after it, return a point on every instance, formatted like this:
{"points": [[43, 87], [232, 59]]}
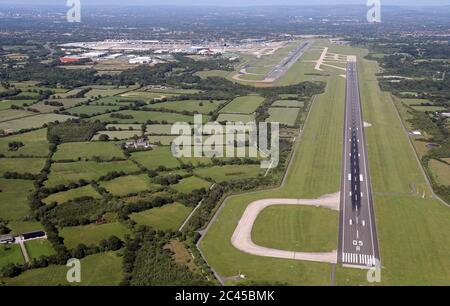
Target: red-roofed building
{"points": [[69, 59]]}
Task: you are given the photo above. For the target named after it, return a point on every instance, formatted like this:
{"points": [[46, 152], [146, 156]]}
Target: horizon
{"points": [[229, 3]]}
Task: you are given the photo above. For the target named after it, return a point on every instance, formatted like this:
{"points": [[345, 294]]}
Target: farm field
{"points": [[87, 151], [105, 91], [6, 104], [283, 115], [197, 106], [160, 156], [65, 173], [243, 105], [167, 217], [146, 95], [411, 102], [163, 140], [144, 116], [236, 118], [92, 110], [11, 114], [103, 269], [35, 144], [288, 103], [440, 171], [230, 172], [189, 184], [33, 122], [31, 165], [20, 227], [38, 248], [10, 254], [159, 129], [65, 196], [92, 233], [291, 228], [213, 73], [129, 184]]}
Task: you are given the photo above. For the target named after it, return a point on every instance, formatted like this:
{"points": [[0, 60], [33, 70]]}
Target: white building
{"points": [[141, 60]]}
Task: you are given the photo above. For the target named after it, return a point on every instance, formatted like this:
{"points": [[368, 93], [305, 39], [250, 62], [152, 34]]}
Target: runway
{"points": [[280, 69], [358, 243]]}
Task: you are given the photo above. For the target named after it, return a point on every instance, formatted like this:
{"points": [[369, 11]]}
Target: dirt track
{"points": [[242, 236]]}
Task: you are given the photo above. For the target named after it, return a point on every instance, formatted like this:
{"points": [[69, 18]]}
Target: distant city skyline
{"points": [[228, 2]]}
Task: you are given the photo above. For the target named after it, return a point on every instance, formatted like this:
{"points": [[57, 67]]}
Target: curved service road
{"points": [[242, 236]]}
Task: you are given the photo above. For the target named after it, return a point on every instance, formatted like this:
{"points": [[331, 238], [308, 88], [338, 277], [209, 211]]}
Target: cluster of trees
{"points": [[15, 145], [167, 180], [81, 211], [121, 116], [73, 130], [146, 263], [144, 204]]}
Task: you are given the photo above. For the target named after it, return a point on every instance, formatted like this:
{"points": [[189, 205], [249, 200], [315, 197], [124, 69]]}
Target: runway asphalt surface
{"points": [[358, 243]]}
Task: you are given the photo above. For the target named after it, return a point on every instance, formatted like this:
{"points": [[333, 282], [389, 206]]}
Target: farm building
{"points": [[6, 239], [34, 235], [141, 143]]}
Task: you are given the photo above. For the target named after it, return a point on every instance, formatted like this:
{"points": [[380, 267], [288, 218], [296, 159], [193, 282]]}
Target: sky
{"points": [[231, 2]]}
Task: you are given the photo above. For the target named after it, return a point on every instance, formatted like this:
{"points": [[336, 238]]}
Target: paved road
{"points": [[242, 236], [358, 243]]}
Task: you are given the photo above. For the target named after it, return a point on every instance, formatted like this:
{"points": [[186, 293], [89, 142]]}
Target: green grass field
{"points": [[32, 165], [38, 248], [283, 115], [6, 104], [163, 140], [146, 95], [167, 217], [230, 172], [213, 73], [159, 129], [11, 114], [292, 228], [189, 184], [10, 253], [35, 144], [103, 269], [198, 106], [243, 105], [236, 118], [92, 110], [144, 116], [129, 184], [20, 227], [288, 103], [440, 171], [65, 196], [65, 173], [87, 151], [160, 156], [106, 91], [92, 233], [33, 122]]}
